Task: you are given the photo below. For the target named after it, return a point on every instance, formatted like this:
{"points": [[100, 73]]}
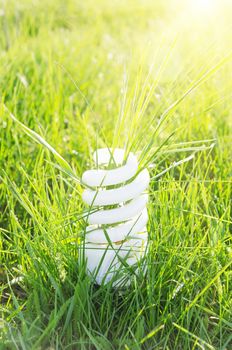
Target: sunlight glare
{"points": [[202, 6]]}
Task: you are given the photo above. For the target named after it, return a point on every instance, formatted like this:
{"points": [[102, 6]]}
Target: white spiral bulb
{"points": [[116, 237]]}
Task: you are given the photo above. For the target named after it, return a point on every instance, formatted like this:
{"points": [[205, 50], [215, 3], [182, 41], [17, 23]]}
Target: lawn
{"points": [[153, 77]]}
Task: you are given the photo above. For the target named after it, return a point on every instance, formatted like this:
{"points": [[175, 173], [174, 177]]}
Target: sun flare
{"points": [[202, 6]]}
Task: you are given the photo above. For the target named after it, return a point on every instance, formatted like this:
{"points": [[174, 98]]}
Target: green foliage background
{"points": [[67, 69]]}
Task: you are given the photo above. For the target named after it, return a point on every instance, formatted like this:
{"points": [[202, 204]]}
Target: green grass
{"points": [[150, 76]]}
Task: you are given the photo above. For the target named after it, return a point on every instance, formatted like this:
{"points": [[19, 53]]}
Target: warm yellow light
{"points": [[205, 6]]}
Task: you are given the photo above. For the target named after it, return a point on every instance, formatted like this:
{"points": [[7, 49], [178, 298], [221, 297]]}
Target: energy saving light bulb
{"points": [[116, 236]]}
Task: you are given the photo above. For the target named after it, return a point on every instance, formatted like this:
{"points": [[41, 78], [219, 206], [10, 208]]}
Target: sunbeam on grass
{"points": [[150, 77]]}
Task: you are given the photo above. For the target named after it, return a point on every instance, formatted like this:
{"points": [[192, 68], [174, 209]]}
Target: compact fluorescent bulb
{"points": [[116, 238]]}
